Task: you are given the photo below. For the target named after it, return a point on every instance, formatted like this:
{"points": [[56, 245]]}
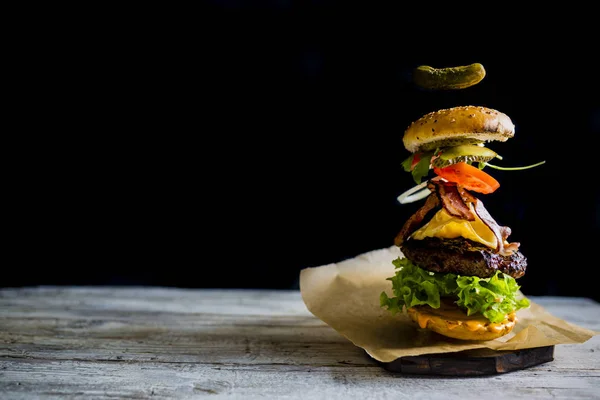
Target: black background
{"points": [[234, 146]]}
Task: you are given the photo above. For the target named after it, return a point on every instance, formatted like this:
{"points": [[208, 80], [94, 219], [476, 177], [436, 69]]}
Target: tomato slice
{"points": [[415, 161], [469, 177]]}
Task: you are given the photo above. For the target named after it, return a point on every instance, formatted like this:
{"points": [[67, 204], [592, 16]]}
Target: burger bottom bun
{"points": [[449, 320]]}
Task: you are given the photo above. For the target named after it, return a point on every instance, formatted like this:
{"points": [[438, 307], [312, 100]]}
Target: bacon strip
{"points": [[455, 202], [416, 219], [466, 195]]}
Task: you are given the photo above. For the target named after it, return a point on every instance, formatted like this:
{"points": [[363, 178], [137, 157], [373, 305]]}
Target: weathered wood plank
{"points": [[186, 343], [135, 380]]}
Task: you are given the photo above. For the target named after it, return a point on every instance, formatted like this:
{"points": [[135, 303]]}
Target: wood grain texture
{"points": [[194, 343]]}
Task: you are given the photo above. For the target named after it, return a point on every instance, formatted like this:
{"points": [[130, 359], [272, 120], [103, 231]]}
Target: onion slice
{"points": [[514, 168], [410, 196]]}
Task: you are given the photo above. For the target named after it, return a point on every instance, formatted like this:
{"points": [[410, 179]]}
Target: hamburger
{"points": [[458, 272]]}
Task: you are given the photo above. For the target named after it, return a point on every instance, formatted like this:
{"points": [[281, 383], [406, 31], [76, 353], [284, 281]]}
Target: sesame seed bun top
{"points": [[457, 125]]}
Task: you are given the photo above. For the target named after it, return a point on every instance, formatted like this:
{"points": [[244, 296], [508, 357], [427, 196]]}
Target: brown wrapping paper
{"points": [[345, 295]]}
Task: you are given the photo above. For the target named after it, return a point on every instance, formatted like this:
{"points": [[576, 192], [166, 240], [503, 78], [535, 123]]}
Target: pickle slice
{"points": [[463, 153], [460, 77]]}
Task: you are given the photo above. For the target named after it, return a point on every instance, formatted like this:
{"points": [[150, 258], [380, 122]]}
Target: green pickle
{"points": [[463, 153], [448, 78]]}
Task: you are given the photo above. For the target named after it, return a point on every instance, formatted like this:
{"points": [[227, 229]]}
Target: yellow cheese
{"points": [[445, 226]]}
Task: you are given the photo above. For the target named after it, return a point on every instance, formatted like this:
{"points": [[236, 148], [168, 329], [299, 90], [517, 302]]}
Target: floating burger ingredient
{"points": [[460, 77], [459, 270]]}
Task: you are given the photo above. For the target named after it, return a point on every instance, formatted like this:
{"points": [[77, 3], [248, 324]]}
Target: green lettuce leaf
{"points": [[421, 169], [492, 297]]}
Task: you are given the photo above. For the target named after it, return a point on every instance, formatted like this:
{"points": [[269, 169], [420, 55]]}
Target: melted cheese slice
{"points": [[445, 226]]}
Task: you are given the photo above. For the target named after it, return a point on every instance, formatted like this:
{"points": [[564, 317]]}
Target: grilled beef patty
{"points": [[462, 257]]}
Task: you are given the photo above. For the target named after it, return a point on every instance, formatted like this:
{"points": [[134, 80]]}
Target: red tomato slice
{"points": [[469, 177], [415, 161]]}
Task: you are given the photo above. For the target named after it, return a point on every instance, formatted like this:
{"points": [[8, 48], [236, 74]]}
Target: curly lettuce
{"points": [[492, 297]]}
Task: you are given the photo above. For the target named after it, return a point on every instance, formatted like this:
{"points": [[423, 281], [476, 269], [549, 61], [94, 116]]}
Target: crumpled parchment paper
{"points": [[345, 295]]}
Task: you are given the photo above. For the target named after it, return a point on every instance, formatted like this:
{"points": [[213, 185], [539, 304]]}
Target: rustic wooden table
{"points": [[175, 343]]}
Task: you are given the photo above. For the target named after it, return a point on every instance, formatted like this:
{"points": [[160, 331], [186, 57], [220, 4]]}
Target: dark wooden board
{"points": [[471, 362]]}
